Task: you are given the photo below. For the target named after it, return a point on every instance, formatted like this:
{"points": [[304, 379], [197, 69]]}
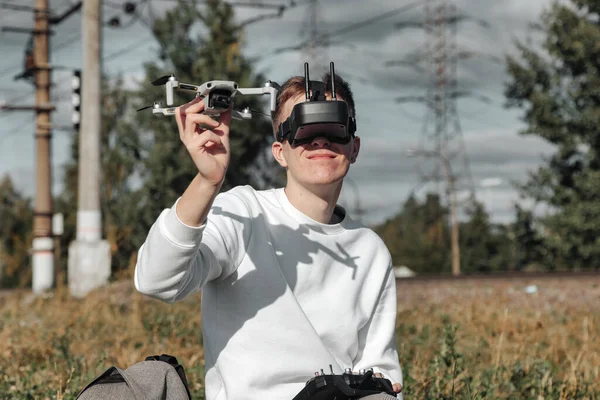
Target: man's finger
{"points": [[397, 387], [225, 118], [193, 107], [208, 139], [193, 121]]}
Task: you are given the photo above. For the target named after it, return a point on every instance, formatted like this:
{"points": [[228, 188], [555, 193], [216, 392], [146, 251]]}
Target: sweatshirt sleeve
{"points": [[377, 339], [177, 260]]}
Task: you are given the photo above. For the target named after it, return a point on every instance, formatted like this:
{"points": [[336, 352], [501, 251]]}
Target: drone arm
{"points": [[169, 89], [182, 87], [168, 111], [267, 89], [241, 115], [186, 87], [252, 91]]}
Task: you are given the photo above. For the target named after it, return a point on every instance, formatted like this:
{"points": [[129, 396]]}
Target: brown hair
{"points": [[295, 86]]}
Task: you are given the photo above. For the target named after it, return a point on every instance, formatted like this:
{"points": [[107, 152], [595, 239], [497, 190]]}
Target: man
{"points": [[290, 283]]}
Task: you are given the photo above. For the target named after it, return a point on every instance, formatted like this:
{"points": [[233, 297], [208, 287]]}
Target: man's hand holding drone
{"points": [[206, 139]]}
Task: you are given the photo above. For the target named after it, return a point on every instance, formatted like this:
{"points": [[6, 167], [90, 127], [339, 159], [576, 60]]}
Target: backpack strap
{"points": [[111, 375], [175, 364]]}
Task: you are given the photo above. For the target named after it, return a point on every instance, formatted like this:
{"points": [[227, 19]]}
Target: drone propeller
{"points": [[156, 104], [145, 108], [162, 80]]}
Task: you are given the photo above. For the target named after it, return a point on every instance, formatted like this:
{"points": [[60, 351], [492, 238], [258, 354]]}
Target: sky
{"points": [[384, 175]]}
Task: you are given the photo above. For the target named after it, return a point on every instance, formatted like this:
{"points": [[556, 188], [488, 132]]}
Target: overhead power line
{"points": [[124, 50], [353, 27], [17, 128], [254, 4]]}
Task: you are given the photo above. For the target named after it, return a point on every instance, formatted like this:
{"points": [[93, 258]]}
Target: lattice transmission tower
{"points": [[315, 50], [441, 152]]}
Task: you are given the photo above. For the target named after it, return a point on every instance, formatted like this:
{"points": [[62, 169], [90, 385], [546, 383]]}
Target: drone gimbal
{"points": [[216, 95]]}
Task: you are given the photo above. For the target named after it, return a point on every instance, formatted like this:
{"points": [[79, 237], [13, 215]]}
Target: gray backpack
{"points": [[155, 378]]}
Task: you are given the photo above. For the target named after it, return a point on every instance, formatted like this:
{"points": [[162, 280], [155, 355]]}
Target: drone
{"points": [[217, 96], [314, 117]]}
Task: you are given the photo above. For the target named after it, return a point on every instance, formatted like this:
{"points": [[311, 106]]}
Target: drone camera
{"points": [[219, 99]]}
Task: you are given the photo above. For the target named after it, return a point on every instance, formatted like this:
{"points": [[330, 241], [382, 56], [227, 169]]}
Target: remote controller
{"points": [[349, 385]]}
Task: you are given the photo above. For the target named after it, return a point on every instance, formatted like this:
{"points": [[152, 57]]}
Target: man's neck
{"points": [[315, 204]]}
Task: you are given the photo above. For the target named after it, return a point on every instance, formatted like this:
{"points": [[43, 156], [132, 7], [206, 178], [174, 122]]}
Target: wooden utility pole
{"points": [[43, 243], [37, 65]]}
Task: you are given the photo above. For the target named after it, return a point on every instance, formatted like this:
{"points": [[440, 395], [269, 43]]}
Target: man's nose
{"points": [[320, 141]]}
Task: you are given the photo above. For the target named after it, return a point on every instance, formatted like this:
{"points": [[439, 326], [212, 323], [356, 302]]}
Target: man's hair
{"points": [[295, 86]]}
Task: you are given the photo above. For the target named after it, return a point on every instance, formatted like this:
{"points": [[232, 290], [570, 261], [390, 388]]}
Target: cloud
{"points": [[383, 177]]}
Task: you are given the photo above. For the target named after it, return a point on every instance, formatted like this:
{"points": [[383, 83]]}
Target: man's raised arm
{"points": [[175, 260]]}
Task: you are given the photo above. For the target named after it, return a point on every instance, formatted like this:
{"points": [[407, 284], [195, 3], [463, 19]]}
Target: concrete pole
{"points": [[43, 244], [88, 194], [89, 255]]}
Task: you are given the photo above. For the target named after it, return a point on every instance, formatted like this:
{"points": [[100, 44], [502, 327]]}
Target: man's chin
{"points": [[323, 182]]}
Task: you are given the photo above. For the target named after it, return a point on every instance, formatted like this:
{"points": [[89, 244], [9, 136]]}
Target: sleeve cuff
{"points": [[179, 233]]}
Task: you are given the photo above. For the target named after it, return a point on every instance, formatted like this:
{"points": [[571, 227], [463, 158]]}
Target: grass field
{"points": [[463, 339]]}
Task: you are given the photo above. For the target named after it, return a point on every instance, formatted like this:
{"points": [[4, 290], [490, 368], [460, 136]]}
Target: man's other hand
{"points": [[396, 386]]}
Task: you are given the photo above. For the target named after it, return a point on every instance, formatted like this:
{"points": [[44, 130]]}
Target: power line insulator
{"points": [[129, 7], [76, 99], [114, 22]]}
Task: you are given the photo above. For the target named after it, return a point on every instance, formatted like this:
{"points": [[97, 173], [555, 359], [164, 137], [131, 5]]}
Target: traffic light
{"points": [[76, 99]]}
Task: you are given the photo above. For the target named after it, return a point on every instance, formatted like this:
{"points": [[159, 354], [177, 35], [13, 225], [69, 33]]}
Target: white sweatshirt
{"points": [[283, 296]]}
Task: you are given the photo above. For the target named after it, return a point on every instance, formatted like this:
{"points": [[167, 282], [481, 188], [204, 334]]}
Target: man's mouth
{"points": [[321, 156]]}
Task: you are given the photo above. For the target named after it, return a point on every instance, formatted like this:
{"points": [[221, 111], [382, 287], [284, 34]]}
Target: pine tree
{"points": [[558, 88]]}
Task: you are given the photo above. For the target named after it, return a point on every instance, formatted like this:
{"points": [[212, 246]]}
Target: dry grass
{"points": [[466, 339], [505, 335]]}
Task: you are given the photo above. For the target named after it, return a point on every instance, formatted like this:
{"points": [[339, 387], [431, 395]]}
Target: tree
{"points": [[529, 244], [16, 224], [216, 54], [485, 246], [558, 88], [144, 165], [417, 236], [120, 163]]}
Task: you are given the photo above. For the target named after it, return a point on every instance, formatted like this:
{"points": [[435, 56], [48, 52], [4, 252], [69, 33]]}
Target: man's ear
{"points": [[277, 150], [355, 148]]}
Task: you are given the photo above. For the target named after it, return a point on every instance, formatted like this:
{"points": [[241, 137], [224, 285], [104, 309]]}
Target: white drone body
{"points": [[216, 95]]}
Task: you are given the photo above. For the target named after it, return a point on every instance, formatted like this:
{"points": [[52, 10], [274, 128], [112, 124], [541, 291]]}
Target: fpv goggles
{"points": [[318, 117]]}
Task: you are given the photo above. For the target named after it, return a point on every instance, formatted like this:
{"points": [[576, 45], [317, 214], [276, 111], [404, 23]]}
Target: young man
{"points": [[290, 283]]}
